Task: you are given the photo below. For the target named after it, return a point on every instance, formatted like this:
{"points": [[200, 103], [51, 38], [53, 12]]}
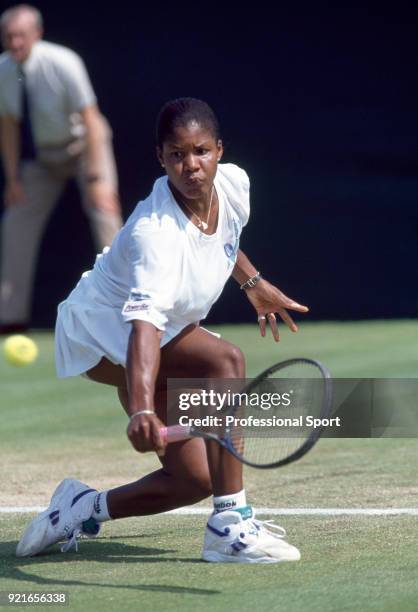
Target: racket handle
{"points": [[175, 433]]}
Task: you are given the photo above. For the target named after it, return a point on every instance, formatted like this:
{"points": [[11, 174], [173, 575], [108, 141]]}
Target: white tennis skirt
{"points": [[88, 329]]}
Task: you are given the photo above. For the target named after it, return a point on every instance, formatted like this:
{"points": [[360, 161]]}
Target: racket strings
{"points": [[275, 426]]}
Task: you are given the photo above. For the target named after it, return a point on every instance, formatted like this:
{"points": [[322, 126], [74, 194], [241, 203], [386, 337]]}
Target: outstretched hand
{"points": [[268, 300]]}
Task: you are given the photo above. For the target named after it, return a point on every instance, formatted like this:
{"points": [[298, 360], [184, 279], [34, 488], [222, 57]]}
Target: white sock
{"points": [[229, 502], [101, 513]]}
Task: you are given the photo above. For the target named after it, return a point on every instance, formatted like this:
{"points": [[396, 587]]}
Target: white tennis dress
{"points": [[160, 268]]}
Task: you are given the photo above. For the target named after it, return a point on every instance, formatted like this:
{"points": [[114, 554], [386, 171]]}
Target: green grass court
{"points": [[51, 429]]}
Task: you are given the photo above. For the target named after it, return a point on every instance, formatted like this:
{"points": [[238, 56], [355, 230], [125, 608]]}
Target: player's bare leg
{"points": [[188, 470], [232, 535]]}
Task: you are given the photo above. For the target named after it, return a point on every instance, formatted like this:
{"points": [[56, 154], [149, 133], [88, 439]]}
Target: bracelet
{"points": [[141, 412], [251, 282]]}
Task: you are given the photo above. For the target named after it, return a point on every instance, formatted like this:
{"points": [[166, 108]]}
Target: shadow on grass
{"points": [[17, 568]]}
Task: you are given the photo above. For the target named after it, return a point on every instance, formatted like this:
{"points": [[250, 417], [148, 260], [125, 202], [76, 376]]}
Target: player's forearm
{"points": [[142, 365], [10, 145], [243, 269]]}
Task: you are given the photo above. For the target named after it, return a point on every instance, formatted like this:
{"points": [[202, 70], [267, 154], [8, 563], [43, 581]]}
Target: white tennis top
{"points": [[160, 268], [58, 89]]}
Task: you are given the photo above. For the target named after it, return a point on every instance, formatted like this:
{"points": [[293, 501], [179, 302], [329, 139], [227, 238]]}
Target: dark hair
{"points": [[181, 112]]}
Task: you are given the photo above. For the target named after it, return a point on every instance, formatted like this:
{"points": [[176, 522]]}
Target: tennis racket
{"points": [[309, 388]]}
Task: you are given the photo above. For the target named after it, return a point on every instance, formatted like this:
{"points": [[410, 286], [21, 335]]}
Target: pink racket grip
{"points": [[175, 433]]}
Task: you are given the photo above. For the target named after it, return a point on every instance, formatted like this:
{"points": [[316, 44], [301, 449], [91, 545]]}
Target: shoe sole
{"points": [[28, 546], [215, 557]]}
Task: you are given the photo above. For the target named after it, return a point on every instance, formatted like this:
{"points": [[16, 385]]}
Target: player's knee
{"points": [[232, 364]]}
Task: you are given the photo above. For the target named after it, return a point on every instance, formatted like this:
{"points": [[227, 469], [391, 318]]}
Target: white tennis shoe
{"points": [[68, 516], [232, 538]]}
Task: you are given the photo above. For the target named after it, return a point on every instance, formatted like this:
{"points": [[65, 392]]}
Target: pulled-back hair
{"points": [[180, 113]]}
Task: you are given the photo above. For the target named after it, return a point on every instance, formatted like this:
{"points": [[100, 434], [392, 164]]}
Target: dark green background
{"points": [[317, 102]]}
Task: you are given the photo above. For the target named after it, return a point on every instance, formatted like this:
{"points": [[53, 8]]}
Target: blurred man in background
{"points": [[51, 131]]}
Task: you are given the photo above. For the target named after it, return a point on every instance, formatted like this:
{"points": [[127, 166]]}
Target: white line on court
{"points": [[270, 511], [312, 511]]}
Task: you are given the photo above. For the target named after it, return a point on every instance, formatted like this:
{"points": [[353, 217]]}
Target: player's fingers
{"points": [[139, 434], [288, 303], [134, 439], [262, 324], [273, 326], [286, 318]]}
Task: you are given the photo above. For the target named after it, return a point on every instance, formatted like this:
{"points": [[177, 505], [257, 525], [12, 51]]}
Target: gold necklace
{"points": [[202, 225]]}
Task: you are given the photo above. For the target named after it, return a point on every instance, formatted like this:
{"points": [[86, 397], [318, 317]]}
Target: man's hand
{"points": [[144, 433], [14, 194], [268, 300]]}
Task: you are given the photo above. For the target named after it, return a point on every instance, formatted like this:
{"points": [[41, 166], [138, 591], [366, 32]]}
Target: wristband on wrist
{"points": [[141, 412], [251, 282]]}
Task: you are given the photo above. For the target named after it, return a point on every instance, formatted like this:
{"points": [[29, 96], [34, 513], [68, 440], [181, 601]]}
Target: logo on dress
{"points": [[130, 307], [138, 301], [138, 296], [229, 249]]}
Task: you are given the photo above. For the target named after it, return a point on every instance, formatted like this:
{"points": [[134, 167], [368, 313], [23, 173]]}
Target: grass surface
{"points": [[153, 564], [51, 429]]}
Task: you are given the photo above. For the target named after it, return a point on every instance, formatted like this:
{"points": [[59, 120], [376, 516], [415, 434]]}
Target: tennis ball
{"points": [[20, 350]]}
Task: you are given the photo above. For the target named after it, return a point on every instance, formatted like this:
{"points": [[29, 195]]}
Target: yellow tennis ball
{"points": [[20, 350]]}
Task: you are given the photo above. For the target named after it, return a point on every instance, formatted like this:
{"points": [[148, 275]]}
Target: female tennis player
{"points": [[133, 321]]}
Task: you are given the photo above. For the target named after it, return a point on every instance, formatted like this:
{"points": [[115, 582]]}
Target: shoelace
{"points": [[89, 529], [270, 526], [72, 541], [85, 529]]}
